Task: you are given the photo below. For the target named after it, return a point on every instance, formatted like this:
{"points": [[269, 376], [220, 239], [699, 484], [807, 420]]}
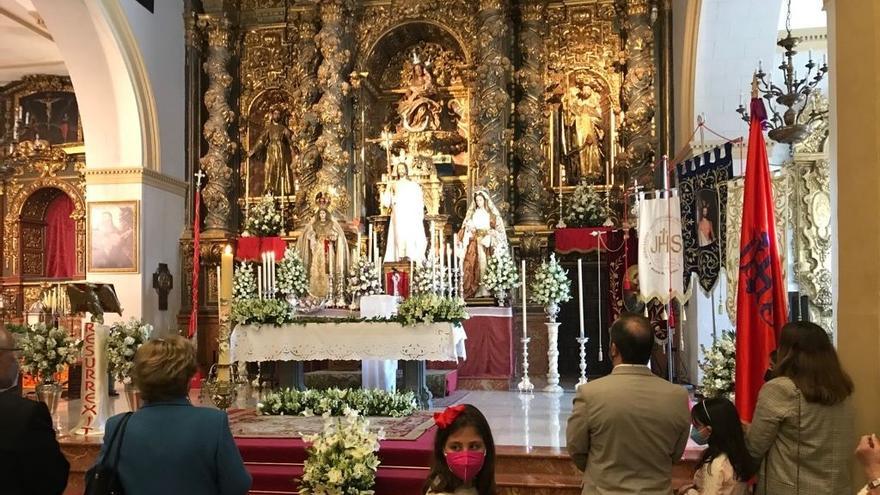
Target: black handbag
{"points": [[103, 478]]}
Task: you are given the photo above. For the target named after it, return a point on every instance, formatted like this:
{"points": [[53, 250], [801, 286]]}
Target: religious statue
{"points": [[406, 228], [583, 133], [278, 178], [324, 251], [481, 235], [419, 109]]}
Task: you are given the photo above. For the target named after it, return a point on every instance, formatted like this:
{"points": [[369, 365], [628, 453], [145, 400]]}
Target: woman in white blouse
{"points": [[725, 467]]}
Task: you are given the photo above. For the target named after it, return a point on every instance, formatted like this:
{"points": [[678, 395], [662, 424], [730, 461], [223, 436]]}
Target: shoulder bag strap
{"points": [[121, 430]]}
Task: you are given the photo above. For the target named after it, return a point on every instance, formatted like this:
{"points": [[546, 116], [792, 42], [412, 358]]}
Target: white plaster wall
{"points": [[162, 227]]}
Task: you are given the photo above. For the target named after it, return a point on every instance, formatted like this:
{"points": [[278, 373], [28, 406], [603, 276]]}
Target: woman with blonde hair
{"points": [[169, 445]]}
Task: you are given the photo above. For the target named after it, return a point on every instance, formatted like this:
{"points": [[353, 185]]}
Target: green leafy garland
{"points": [[586, 208], [719, 366], [501, 273], [261, 312], [551, 284], [334, 401], [244, 281], [429, 308], [291, 277], [264, 219]]}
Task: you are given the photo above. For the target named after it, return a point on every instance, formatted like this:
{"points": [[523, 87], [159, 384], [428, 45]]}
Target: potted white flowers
{"points": [[291, 278], [501, 276], [244, 281], [341, 459], [363, 280], [586, 208], [719, 366], [45, 352], [551, 287], [264, 219], [123, 341]]}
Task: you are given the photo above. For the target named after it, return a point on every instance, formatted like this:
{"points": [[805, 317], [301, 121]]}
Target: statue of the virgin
{"points": [[481, 235], [324, 251]]}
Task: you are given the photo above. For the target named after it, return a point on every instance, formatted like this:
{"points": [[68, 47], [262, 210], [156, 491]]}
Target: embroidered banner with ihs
{"points": [[702, 188], [660, 250]]}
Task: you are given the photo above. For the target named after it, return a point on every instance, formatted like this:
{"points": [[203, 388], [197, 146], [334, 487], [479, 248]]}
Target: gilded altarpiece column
{"points": [[307, 124], [333, 107], [530, 120], [216, 162], [493, 102]]}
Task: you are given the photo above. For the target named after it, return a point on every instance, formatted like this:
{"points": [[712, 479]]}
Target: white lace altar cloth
{"points": [[352, 341]]}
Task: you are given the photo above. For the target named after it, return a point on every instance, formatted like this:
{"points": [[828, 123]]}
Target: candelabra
{"points": [[525, 385], [792, 126], [582, 344]]}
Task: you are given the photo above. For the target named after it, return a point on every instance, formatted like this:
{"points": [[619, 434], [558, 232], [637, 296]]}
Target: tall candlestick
{"points": [[524, 329], [581, 296], [370, 241], [449, 266]]}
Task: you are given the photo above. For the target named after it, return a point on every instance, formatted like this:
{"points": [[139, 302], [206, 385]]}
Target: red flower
{"points": [[445, 418]]}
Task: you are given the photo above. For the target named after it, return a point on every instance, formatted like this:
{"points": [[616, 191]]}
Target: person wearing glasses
{"points": [[725, 466], [31, 461]]}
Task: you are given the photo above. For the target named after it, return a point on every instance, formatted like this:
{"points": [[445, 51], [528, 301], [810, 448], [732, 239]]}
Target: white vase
{"points": [[552, 311], [49, 393], [501, 298]]}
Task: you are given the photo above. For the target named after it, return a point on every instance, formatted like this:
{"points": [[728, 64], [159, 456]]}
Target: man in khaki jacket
{"points": [[627, 429]]}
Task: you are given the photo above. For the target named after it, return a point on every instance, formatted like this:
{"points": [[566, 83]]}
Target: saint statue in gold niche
{"points": [[419, 109], [323, 249], [277, 141], [583, 132]]}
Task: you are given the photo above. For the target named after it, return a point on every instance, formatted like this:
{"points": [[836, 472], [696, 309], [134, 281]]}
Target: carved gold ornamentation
{"points": [[40, 156], [216, 162]]}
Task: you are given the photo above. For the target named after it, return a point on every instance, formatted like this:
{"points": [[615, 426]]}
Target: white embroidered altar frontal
{"points": [[350, 341]]}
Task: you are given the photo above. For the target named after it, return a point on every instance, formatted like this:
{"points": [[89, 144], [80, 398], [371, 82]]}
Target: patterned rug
{"points": [[245, 423]]}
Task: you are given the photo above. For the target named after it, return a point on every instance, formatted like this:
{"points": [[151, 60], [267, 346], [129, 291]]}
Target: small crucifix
{"points": [[199, 176]]}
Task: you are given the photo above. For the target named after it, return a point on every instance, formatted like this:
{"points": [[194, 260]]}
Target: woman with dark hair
{"points": [[464, 454], [726, 466], [802, 429]]}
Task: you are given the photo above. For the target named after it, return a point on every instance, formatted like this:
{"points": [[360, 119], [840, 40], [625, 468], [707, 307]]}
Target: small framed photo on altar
{"points": [[113, 236], [396, 279]]}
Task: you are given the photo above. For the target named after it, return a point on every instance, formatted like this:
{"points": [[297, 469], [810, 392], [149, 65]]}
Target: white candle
{"points": [[524, 331], [433, 237], [218, 292], [274, 266], [260, 282], [357, 250], [449, 265], [581, 295], [370, 241]]}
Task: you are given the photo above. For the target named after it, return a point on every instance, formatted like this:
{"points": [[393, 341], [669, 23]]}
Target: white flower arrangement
{"points": [[291, 277], [122, 342], [342, 459], [244, 281], [424, 278], [501, 273], [551, 284], [363, 280], [719, 367], [264, 219], [586, 208], [47, 350], [335, 401], [430, 308]]}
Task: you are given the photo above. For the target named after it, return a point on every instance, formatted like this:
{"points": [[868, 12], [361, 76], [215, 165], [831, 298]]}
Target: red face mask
{"points": [[465, 465]]}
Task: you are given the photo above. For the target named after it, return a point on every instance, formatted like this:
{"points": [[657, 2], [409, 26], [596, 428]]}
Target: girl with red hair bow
{"points": [[464, 454]]}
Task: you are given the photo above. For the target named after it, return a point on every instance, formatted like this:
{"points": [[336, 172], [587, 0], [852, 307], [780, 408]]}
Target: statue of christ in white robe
{"points": [[406, 229]]}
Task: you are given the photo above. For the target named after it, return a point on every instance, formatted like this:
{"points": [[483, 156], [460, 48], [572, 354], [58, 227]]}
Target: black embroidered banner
{"points": [[702, 187]]}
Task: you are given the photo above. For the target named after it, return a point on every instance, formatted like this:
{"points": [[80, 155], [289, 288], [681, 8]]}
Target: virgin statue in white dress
{"points": [[481, 235], [324, 251], [406, 229]]}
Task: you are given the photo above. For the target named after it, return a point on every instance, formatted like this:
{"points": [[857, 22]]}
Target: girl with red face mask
{"points": [[464, 454]]}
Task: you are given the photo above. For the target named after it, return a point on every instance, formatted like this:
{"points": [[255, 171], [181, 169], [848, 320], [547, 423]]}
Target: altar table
{"points": [[353, 341]]}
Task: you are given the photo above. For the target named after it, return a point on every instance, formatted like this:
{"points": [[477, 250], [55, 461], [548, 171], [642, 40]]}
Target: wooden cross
{"points": [[199, 176]]}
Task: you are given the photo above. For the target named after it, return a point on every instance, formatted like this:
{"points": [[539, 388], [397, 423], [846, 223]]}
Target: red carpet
{"points": [[275, 464]]}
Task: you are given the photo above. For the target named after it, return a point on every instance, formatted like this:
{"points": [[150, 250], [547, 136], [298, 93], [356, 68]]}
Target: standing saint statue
{"points": [[324, 251], [481, 235], [583, 132], [406, 229], [278, 178], [419, 110]]}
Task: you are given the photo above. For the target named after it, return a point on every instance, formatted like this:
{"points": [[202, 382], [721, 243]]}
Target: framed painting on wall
{"points": [[113, 236]]}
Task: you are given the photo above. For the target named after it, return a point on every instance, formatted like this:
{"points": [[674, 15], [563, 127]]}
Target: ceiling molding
{"points": [[35, 28], [135, 175]]}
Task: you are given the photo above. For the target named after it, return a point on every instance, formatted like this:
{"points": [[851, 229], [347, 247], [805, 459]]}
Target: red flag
{"points": [[194, 316], [760, 299]]}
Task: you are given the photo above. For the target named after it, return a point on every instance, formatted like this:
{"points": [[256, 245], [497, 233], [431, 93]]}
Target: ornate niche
{"points": [[40, 106]]}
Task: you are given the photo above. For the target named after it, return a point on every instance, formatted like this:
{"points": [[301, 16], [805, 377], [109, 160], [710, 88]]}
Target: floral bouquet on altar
{"points": [[430, 308], [363, 280], [719, 366], [342, 459], [122, 342], [46, 350], [261, 311], [551, 286], [291, 278], [501, 276], [244, 281], [264, 219], [586, 208], [424, 281], [335, 401]]}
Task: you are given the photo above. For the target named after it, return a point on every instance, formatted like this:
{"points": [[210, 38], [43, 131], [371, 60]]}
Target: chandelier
{"points": [[792, 125]]}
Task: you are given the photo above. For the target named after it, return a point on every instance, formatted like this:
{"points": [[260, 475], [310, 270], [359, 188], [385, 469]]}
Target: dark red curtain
{"points": [[60, 238]]}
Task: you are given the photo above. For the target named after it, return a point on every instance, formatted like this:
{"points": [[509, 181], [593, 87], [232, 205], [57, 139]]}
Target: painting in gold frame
{"points": [[113, 236]]}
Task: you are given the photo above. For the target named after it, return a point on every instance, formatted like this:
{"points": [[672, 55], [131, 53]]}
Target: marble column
{"points": [[637, 131], [333, 107], [530, 119], [493, 102], [216, 163]]}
